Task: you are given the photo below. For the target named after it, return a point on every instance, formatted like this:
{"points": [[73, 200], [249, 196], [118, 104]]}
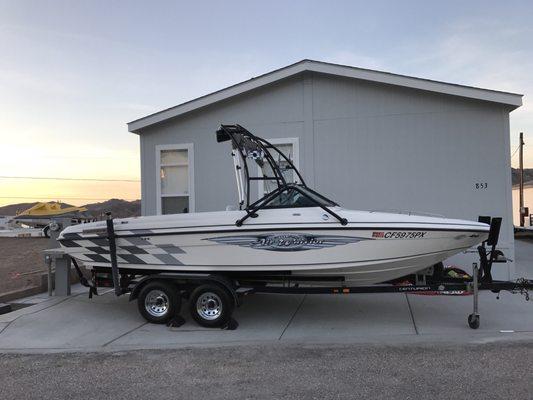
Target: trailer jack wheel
{"points": [[473, 321]]}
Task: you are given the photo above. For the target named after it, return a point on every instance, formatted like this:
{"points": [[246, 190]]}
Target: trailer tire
{"points": [[211, 305], [159, 301]]}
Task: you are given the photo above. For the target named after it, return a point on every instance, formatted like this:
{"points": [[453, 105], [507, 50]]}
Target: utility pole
{"points": [[521, 158]]}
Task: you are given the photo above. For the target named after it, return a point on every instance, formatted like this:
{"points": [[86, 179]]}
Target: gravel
{"points": [[21, 262], [487, 371]]}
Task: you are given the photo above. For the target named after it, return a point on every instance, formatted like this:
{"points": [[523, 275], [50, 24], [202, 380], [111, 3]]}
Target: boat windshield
{"points": [[277, 172], [266, 171], [298, 196]]}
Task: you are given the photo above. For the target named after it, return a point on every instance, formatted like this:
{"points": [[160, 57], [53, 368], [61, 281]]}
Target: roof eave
{"points": [[223, 94], [512, 100]]}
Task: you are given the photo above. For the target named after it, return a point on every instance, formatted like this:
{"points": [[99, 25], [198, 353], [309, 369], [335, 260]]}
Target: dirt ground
{"points": [[21, 262]]}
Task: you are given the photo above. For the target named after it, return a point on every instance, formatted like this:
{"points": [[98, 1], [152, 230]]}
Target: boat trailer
{"points": [[213, 297]]}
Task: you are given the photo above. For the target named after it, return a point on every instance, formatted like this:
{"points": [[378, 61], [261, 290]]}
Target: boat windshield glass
{"points": [[270, 183], [293, 197]]}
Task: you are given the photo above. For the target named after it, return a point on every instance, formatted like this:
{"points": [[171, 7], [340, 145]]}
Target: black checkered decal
{"points": [[131, 259], [134, 249], [97, 258], [130, 250]]}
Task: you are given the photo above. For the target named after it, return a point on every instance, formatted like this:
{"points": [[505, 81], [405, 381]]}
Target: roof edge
{"points": [[513, 100]]}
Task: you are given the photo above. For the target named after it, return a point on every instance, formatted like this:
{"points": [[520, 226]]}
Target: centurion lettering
{"points": [[287, 241]]}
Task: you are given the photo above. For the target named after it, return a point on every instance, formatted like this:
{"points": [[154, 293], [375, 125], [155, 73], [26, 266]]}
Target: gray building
{"points": [[367, 139]]}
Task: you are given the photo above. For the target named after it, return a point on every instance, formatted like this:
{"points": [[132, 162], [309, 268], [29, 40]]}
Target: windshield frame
{"points": [[246, 147], [293, 187]]}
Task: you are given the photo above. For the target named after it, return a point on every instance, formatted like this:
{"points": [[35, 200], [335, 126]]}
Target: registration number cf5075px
{"points": [[399, 235]]}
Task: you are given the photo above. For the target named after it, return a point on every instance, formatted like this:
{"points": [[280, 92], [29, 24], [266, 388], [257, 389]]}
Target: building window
{"points": [[175, 189], [289, 147]]}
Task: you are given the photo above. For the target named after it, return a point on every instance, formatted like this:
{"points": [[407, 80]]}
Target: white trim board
{"points": [[190, 158]]}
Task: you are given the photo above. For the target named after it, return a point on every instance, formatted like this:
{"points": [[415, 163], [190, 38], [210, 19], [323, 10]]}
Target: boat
{"points": [[291, 231], [41, 214]]}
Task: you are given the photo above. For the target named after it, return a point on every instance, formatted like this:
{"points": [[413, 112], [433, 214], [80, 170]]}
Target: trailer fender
{"points": [[189, 278], [149, 278], [228, 285], [134, 294]]}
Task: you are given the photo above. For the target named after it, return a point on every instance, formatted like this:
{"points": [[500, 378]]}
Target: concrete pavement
{"points": [[109, 323]]}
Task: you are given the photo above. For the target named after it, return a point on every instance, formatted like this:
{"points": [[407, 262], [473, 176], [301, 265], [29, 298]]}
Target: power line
{"points": [[514, 152], [76, 157], [57, 198], [68, 179]]}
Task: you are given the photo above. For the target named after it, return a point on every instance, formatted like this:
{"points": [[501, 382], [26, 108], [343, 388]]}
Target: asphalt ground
{"points": [[481, 371]]}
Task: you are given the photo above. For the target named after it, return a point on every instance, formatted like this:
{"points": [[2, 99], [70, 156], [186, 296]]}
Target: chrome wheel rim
{"points": [[209, 306], [156, 303]]}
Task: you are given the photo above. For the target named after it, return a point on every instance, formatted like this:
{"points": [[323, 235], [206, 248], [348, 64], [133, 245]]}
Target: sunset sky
{"points": [[72, 73]]}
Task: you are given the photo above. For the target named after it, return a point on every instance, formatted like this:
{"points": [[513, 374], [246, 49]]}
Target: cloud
{"points": [[482, 52], [17, 80], [143, 108], [488, 53], [346, 57]]}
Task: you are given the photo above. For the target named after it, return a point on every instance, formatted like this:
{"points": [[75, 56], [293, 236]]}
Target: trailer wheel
{"points": [[159, 301], [473, 321], [211, 305]]}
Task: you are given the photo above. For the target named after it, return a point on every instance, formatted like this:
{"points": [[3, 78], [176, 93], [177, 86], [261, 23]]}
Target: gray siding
{"points": [[275, 111], [366, 145], [396, 148]]}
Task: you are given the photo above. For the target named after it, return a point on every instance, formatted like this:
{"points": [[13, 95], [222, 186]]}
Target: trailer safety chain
{"points": [[84, 281], [521, 286]]}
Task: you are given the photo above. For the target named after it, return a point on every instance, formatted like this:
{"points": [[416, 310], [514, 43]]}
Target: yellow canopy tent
{"points": [[49, 209]]}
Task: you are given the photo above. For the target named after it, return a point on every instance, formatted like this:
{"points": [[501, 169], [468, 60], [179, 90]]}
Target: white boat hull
{"points": [[365, 251]]}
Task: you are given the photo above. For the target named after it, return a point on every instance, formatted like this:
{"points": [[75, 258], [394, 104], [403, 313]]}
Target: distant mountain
{"points": [[118, 208]]}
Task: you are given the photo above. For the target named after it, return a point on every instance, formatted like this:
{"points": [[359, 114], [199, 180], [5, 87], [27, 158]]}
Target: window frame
{"points": [[190, 174], [295, 142]]}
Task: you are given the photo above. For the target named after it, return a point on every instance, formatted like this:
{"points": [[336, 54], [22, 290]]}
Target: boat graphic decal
{"points": [[130, 250], [286, 241]]}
